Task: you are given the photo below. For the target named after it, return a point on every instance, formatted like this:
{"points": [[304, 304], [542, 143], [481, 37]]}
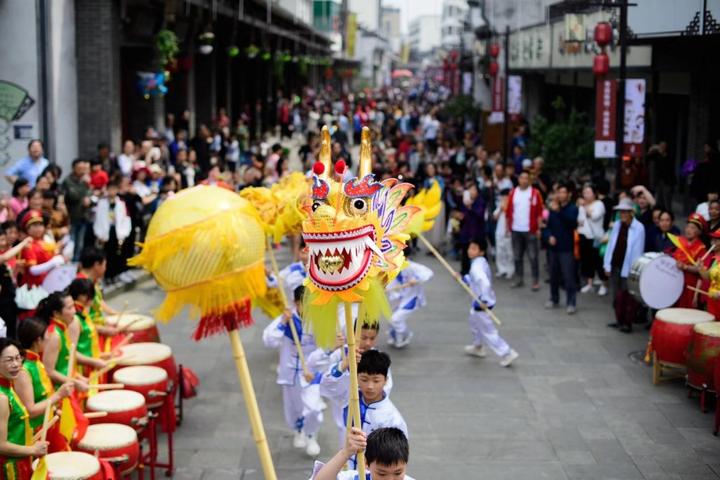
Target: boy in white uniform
{"points": [[301, 394], [406, 295], [481, 325], [336, 388], [376, 408], [386, 450]]}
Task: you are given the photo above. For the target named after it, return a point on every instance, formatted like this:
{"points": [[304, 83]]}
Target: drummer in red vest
{"points": [[40, 256], [689, 251], [710, 273]]}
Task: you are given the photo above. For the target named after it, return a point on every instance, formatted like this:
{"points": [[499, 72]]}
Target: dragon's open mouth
{"points": [[340, 260]]}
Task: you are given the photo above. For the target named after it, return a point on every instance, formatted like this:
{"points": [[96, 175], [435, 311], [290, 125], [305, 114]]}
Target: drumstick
{"points": [[400, 287], [712, 247], [122, 343], [108, 386], [96, 414], [42, 434], [697, 290], [125, 328], [105, 369]]}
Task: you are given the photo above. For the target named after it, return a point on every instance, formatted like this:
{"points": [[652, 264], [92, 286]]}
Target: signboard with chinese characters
{"points": [[605, 117], [530, 48], [634, 131]]}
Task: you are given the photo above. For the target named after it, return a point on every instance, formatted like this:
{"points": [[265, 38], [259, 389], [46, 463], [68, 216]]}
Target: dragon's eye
{"points": [[316, 205], [357, 206]]}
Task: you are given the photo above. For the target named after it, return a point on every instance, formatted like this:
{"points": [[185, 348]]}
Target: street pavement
{"points": [[575, 405]]}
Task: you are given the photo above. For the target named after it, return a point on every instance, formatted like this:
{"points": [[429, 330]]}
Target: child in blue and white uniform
{"points": [[301, 394], [481, 325], [406, 295]]}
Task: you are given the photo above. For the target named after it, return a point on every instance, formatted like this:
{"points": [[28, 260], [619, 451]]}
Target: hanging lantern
{"points": [[494, 50], [601, 64], [603, 33], [493, 69]]}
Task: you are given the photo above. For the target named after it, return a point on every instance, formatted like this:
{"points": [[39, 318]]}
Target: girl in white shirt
{"points": [[591, 212]]}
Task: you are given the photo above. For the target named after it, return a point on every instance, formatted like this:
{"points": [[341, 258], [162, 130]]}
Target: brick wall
{"points": [[98, 74]]}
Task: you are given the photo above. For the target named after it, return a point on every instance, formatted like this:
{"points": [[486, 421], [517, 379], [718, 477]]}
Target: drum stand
{"points": [[166, 412], [664, 371], [181, 395], [704, 390]]}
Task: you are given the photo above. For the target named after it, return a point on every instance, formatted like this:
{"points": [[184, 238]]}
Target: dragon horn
{"points": [[325, 157], [365, 153]]}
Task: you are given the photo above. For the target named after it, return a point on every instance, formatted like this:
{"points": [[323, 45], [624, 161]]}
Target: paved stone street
{"points": [[574, 406]]}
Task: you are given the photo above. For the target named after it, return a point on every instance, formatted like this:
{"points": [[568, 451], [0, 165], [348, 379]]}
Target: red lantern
{"points": [[603, 33], [601, 64], [494, 50], [493, 69]]}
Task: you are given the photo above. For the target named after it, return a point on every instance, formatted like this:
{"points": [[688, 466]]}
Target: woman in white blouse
{"points": [[591, 212]]}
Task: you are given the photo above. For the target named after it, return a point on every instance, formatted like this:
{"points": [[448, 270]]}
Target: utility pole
{"points": [[506, 118], [622, 75]]}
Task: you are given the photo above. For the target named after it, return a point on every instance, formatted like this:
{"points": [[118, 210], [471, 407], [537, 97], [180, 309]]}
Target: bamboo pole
{"points": [[283, 297], [252, 406], [453, 273], [354, 397]]}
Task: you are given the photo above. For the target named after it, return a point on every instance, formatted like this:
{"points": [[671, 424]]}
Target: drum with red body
{"points": [[151, 354], [702, 356], [671, 332], [143, 328], [122, 406], [116, 443], [150, 382], [73, 466]]}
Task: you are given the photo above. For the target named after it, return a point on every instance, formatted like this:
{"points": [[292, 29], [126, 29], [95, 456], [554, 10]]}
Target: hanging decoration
{"points": [[206, 42], [151, 84], [166, 48], [252, 50]]}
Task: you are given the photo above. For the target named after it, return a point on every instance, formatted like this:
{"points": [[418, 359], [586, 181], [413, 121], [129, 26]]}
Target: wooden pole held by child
{"points": [[354, 397], [252, 406], [462, 284]]}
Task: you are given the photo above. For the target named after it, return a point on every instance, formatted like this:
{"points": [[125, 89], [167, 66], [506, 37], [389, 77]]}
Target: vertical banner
{"points": [[351, 33], [605, 117], [634, 131], [514, 96], [498, 94]]}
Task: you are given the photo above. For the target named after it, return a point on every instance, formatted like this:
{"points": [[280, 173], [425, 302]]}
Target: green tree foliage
{"points": [[565, 142], [166, 46]]}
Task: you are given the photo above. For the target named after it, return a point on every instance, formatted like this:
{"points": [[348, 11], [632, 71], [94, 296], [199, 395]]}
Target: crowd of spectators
{"points": [[577, 233]]}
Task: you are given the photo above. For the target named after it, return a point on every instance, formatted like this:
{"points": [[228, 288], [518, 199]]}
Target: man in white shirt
{"points": [[524, 218]]}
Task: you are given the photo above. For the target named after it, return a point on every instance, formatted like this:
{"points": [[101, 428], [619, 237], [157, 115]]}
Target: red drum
{"points": [[702, 356], [73, 466], [150, 382], [150, 354], [142, 327], [671, 332], [116, 443], [122, 406]]}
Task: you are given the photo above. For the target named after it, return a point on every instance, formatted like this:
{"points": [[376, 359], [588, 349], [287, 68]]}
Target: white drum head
{"points": [[136, 322], [661, 282], [108, 436], [709, 329], [140, 375], [144, 353], [71, 465], [684, 316], [115, 401], [59, 278]]}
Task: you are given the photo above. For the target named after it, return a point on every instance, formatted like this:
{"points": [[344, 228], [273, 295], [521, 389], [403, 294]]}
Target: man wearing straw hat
{"points": [[625, 245]]}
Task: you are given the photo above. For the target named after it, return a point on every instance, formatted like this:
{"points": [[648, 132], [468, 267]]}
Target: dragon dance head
{"points": [[355, 233]]}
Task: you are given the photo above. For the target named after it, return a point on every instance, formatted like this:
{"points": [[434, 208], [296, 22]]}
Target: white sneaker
{"points": [[404, 341], [313, 449], [300, 440], [586, 288], [391, 338], [602, 291], [474, 351], [597, 282], [509, 358]]}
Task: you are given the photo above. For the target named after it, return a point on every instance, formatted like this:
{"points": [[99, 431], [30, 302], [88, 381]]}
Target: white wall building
{"points": [[38, 82], [424, 34], [368, 13], [454, 15], [301, 10]]}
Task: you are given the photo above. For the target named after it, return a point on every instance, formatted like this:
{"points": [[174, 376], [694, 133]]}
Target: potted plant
{"points": [[252, 50], [206, 42], [166, 47]]}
